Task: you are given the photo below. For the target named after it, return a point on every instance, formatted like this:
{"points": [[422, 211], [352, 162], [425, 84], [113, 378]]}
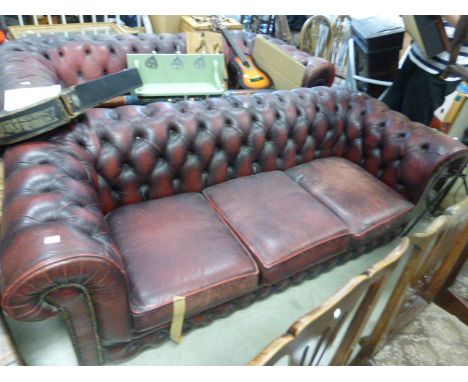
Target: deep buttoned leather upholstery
{"points": [[64, 184], [138, 153]]}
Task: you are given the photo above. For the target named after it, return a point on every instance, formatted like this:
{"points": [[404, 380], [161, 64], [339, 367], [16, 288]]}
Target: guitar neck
{"points": [[238, 52]]}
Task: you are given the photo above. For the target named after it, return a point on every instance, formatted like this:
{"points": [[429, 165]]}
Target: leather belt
{"points": [[51, 113]]}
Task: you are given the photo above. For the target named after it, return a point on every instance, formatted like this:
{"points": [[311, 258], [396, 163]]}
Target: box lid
{"points": [[379, 32], [377, 26]]}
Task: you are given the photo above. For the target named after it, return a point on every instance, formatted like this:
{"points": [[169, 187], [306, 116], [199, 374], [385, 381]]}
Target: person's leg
{"points": [[396, 92], [450, 87], [425, 92]]}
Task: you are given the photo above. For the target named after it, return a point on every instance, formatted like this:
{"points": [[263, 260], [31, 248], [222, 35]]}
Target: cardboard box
{"points": [[203, 23], [165, 24], [285, 71]]}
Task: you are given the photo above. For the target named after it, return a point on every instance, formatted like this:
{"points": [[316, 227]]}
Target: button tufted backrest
{"points": [[136, 153], [75, 59], [48, 186]]}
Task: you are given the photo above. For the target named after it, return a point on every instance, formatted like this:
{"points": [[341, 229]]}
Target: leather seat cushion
{"points": [[365, 204], [285, 228], [178, 246]]}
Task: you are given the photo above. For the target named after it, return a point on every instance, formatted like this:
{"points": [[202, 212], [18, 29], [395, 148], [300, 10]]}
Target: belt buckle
{"points": [[71, 102]]}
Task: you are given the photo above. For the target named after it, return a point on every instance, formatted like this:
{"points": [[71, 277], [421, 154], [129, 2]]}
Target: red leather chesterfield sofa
{"points": [[221, 201]]}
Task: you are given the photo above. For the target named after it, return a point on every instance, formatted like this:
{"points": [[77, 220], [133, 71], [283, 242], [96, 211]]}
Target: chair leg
{"points": [[455, 305]]}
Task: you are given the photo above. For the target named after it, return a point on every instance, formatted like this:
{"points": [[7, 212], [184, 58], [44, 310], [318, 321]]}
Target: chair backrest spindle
{"points": [[436, 250], [348, 310]]}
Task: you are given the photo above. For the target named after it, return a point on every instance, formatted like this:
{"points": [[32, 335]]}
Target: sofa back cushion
{"points": [[148, 152]]}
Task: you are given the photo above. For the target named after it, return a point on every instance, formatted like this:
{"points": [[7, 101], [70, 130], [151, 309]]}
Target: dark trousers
{"points": [[417, 93]]}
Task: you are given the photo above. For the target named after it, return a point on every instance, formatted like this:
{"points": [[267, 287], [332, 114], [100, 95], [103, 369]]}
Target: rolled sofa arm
{"points": [[407, 156], [319, 72], [57, 254]]}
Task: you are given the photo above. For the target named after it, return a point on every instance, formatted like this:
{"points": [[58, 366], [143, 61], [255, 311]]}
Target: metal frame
{"points": [[432, 205]]}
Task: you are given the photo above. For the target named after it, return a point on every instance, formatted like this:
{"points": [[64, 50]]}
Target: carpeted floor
{"points": [[433, 338]]}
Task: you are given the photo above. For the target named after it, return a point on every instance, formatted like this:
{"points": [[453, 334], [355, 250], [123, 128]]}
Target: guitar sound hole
{"points": [[256, 79]]}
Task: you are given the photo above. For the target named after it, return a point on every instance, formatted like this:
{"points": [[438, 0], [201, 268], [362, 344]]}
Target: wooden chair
{"points": [[341, 34], [282, 29], [454, 297], [446, 284], [437, 253], [456, 254], [318, 338], [316, 36]]}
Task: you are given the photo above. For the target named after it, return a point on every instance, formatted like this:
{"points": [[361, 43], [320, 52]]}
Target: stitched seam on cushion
{"points": [[234, 235], [237, 234], [231, 232], [386, 220], [137, 312], [317, 196], [203, 309], [148, 331], [309, 247], [276, 262]]}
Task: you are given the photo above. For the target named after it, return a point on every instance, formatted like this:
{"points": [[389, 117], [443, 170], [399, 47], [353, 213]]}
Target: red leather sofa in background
{"points": [[221, 201], [50, 60]]}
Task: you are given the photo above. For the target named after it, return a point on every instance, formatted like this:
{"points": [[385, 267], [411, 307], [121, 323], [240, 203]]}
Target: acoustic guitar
{"points": [[244, 71]]}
